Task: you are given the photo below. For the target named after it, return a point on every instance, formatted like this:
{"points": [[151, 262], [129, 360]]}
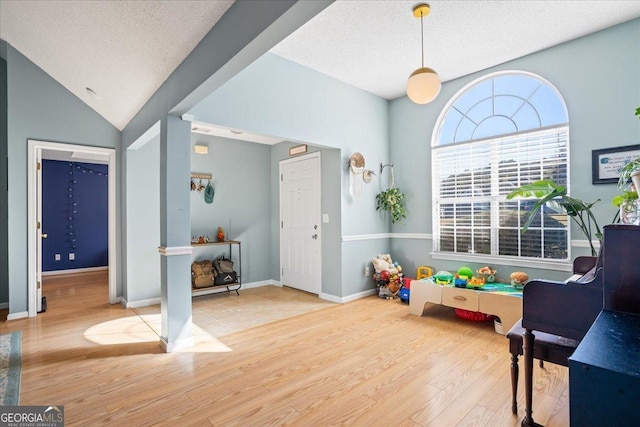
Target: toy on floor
{"points": [[388, 276]]}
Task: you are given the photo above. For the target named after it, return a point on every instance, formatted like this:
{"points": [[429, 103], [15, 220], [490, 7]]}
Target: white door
{"points": [[300, 225], [39, 234]]}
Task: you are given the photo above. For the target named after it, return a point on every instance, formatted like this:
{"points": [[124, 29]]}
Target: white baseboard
{"points": [[18, 315], [74, 270], [4, 305], [139, 303], [261, 283], [349, 298], [177, 345]]}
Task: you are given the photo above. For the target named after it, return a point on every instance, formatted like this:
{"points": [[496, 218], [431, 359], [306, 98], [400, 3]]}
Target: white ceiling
{"points": [[124, 50]]}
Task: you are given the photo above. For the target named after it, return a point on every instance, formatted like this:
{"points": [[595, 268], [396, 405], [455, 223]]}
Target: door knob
{"points": [[44, 235]]}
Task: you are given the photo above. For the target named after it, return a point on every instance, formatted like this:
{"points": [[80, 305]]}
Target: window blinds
{"points": [[471, 180]]}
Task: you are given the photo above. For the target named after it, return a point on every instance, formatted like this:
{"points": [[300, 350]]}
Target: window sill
{"points": [[563, 265]]}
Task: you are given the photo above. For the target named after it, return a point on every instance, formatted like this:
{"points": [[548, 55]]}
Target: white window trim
{"points": [[561, 265]]}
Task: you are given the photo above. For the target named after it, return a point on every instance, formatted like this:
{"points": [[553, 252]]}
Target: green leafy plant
{"points": [[619, 199], [392, 201], [548, 192], [629, 168]]}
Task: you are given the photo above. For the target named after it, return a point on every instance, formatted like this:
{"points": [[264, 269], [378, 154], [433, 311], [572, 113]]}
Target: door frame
{"points": [[318, 155], [35, 148]]}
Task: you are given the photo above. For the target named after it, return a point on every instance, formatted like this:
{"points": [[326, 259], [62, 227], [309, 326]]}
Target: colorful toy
{"points": [[423, 271], [383, 262], [519, 279], [488, 273], [443, 278], [475, 282], [388, 276], [466, 272], [460, 282]]}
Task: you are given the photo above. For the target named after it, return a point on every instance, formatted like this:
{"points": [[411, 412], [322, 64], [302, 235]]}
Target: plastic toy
{"points": [[460, 282], [423, 271], [466, 272], [443, 278], [475, 282]]}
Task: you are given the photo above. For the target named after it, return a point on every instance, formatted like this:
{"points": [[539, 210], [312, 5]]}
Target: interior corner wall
{"points": [[40, 108], [276, 97], [4, 243], [242, 194], [142, 277], [598, 77]]}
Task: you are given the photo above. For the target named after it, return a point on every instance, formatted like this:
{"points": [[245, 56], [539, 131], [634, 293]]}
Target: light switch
{"points": [[57, 257], [72, 256], [325, 218]]}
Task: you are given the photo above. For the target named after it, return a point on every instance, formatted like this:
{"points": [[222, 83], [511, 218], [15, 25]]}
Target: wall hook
{"points": [[384, 166]]}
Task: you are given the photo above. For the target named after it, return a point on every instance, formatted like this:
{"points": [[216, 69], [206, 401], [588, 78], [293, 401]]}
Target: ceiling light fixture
{"points": [[424, 83]]}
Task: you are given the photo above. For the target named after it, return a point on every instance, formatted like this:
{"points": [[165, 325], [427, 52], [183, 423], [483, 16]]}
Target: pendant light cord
{"points": [[422, 37]]}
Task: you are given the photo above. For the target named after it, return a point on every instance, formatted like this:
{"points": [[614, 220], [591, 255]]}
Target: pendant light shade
{"points": [[424, 83]]}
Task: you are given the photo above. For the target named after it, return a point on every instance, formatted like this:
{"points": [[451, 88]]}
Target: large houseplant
{"points": [[548, 192]]}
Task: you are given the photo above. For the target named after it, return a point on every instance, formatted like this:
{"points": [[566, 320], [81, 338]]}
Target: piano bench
{"points": [[546, 347]]}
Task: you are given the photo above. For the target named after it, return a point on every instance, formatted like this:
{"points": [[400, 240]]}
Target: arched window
{"points": [[498, 133]]}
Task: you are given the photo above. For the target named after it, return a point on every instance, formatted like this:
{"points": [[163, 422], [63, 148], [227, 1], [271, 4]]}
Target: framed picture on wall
{"points": [[607, 162]]}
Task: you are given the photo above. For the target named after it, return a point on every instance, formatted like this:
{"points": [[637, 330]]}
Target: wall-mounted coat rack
{"points": [[201, 175]]}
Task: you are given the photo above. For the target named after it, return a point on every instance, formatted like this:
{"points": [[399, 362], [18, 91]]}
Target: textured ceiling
{"points": [[124, 50], [375, 45]]}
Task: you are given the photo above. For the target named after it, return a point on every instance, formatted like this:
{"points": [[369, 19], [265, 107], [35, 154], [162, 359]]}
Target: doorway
{"points": [[34, 213], [300, 223]]}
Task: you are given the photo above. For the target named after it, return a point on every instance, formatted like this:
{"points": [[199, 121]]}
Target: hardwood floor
{"points": [[365, 363]]}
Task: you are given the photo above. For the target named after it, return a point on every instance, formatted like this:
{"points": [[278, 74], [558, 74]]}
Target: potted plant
{"points": [[549, 192], [624, 202], [392, 201], [631, 170]]}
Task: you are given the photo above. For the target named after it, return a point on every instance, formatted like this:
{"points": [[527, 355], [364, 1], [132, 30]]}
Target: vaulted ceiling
{"points": [[124, 50]]}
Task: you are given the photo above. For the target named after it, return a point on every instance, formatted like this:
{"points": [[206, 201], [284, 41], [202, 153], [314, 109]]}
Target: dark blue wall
{"points": [[74, 206]]}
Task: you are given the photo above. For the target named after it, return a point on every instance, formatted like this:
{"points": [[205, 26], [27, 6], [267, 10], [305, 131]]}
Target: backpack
{"points": [[224, 273], [202, 274]]}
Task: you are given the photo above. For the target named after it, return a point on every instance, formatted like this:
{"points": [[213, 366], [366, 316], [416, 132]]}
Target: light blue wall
{"points": [[4, 271], [40, 108], [276, 97], [599, 78], [143, 222], [241, 172]]}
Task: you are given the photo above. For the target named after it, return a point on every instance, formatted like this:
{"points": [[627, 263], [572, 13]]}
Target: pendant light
{"points": [[424, 83]]}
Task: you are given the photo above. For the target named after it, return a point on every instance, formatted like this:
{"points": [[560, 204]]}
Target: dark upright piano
{"points": [[568, 309]]}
